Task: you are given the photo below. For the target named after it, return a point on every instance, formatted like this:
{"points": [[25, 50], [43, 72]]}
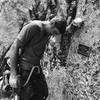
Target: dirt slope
{"points": [[80, 80]]}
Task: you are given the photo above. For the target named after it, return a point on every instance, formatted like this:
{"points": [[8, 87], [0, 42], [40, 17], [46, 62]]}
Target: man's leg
{"points": [[27, 91], [40, 87], [36, 97]]}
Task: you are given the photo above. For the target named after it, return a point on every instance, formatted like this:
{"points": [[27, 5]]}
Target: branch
{"points": [[71, 11], [66, 38]]}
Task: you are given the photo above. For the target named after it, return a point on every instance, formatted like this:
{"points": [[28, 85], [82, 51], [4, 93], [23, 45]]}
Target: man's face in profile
{"points": [[54, 30]]}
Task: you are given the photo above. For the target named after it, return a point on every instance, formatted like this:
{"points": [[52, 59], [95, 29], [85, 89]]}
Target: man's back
{"points": [[33, 39]]}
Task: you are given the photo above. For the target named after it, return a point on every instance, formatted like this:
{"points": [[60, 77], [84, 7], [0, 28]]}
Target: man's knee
{"points": [[36, 97], [27, 92]]}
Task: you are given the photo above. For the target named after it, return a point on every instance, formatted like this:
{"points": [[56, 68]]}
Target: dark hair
{"points": [[60, 23]]}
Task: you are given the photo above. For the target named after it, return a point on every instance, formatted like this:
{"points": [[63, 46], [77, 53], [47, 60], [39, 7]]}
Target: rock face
{"points": [[85, 71], [80, 79]]}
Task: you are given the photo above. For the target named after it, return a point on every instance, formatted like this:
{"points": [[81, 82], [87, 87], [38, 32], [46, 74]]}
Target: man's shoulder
{"points": [[36, 24]]}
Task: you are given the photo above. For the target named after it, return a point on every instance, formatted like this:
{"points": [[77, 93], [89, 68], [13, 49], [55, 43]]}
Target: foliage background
{"points": [[80, 78]]}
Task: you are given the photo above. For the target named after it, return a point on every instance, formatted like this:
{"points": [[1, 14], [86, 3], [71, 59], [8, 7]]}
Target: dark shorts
{"points": [[36, 88]]}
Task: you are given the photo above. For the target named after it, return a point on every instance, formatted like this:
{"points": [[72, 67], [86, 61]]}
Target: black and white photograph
{"points": [[49, 49]]}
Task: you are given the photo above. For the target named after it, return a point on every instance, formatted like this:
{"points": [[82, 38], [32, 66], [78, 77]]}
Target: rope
{"points": [[28, 79]]}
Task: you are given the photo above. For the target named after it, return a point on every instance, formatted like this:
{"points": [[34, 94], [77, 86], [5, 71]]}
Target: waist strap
{"points": [[34, 62], [27, 66]]}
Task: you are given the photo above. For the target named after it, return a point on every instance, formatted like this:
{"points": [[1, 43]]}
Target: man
{"points": [[26, 52]]}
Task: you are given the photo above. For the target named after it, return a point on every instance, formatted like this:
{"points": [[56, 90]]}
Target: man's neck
{"points": [[46, 26]]}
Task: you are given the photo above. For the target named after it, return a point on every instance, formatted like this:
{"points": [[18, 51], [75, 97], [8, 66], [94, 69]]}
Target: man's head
{"points": [[58, 25]]}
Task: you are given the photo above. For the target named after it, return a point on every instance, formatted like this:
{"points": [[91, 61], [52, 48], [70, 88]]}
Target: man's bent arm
{"points": [[13, 54]]}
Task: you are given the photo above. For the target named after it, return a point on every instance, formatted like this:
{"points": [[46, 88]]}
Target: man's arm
{"points": [[13, 54], [22, 40]]}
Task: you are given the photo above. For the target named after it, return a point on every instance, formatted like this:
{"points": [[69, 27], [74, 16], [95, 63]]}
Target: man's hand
{"points": [[13, 80], [13, 76], [77, 22]]}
